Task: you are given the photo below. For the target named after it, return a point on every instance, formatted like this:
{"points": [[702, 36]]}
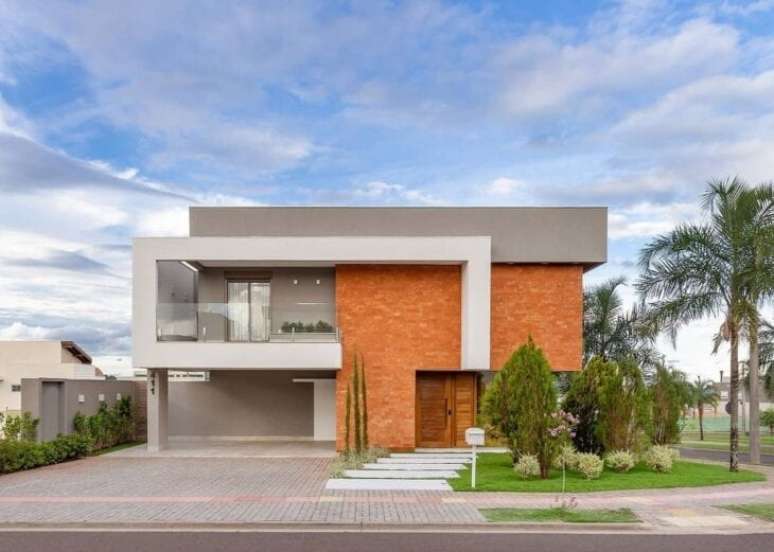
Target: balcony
{"points": [[243, 322], [248, 317]]}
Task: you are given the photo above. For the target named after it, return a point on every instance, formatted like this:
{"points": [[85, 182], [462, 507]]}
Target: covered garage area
{"points": [[242, 413]]}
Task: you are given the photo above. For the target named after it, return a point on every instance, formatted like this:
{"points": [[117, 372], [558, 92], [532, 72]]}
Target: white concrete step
{"points": [[419, 460], [394, 474], [458, 450], [387, 485], [413, 466], [445, 455]]}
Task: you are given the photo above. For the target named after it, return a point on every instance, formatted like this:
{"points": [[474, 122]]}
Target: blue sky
{"points": [[116, 116]]}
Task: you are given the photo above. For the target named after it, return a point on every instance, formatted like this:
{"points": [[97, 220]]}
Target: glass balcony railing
{"points": [[242, 322]]}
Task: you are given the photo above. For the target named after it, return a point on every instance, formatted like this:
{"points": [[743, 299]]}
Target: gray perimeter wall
{"points": [[57, 410]]}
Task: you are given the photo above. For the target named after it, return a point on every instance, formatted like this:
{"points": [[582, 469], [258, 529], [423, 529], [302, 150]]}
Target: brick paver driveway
{"points": [[206, 490], [237, 490]]}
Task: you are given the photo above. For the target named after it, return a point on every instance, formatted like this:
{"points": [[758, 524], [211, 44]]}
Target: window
{"points": [[248, 311], [16, 387]]}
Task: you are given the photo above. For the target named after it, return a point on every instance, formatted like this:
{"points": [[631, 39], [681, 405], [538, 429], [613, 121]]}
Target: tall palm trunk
{"points": [[755, 437], [701, 421], [733, 397]]}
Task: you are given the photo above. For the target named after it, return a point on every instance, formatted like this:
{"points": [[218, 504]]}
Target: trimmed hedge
{"points": [[25, 455]]}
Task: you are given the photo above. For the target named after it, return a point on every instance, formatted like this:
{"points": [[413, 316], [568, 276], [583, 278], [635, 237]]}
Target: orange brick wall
{"points": [[402, 318], [545, 301]]}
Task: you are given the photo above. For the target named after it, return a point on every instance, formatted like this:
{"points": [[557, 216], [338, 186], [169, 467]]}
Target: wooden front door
{"points": [[445, 408]]}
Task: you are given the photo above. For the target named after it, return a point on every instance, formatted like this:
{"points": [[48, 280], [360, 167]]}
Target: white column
{"points": [[158, 409], [476, 301]]}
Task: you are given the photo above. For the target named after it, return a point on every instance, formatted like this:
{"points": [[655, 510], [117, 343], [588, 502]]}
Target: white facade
{"points": [[36, 359], [473, 253]]}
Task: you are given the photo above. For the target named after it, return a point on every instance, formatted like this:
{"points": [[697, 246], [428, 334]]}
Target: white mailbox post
{"points": [[474, 436]]}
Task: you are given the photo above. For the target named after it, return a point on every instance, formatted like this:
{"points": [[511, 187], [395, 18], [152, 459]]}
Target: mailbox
{"points": [[474, 436]]}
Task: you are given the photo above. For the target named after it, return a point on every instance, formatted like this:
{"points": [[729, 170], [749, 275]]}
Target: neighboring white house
{"points": [[39, 359]]}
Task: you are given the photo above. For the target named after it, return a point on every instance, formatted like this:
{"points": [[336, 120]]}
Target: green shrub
{"points": [[566, 456], [659, 458], [620, 460], [669, 393], [521, 403], [527, 466], [110, 426], [623, 405], [767, 419], [24, 455], [24, 427], [589, 465]]}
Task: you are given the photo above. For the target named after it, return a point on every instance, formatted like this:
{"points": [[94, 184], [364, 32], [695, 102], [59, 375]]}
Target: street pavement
{"points": [[721, 455], [375, 542]]}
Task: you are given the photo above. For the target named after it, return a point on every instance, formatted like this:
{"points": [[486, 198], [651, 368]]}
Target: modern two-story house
{"points": [[273, 302]]}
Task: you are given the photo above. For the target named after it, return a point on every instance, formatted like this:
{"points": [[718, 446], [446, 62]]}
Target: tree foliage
{"points": [[521, 402], [670, 393], [623, 406], [611, 332], [722, 266]]}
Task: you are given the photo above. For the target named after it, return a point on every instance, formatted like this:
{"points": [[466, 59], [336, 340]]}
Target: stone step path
{"points": [[414, 466], [404, 471], [420, 460], [436, 455], [398, 474]]}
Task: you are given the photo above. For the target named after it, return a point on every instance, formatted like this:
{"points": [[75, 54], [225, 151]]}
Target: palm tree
{"points": [[704, 394], [760, 288], [612, 333], [706, 269], [766, 342]]}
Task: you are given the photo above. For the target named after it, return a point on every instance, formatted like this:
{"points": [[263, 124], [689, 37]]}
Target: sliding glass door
{"points": [[248, 311]]}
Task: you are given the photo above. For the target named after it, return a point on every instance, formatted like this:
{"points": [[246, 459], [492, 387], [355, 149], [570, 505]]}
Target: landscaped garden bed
{"points": [[762, 511], [495, 473], [564, 515]]}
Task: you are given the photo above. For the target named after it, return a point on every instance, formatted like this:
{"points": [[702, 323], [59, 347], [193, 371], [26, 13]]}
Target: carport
{"points": [[241, 413]]}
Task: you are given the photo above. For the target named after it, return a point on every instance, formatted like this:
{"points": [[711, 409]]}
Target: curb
{"points": [[500, 527]]}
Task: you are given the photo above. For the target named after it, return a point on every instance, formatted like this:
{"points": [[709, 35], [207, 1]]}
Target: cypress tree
{"points": [[347, 420], [365, 402], [356, 406]]}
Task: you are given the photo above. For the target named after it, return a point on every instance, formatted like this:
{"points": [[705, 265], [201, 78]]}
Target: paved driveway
{"points": [[162, 490]]}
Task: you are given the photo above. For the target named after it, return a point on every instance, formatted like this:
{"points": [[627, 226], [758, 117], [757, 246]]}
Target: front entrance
{"points": [[445, 408]]}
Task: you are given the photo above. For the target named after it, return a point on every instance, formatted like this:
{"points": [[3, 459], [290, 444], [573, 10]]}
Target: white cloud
{"points": [[384, 192], [503, 186], [167, 222], [648, 219], [544, 72], [18, 330]]}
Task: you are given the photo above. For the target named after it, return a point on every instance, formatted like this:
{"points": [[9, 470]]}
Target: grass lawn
{"points": [[117, 447], [495, 473], [621, 515], [763, 511]]}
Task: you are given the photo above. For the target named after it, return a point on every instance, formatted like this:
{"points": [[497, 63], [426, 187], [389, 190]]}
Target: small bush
{"points": [[527, 466], [25, 455], [589, 465], [567, 457], [659, 459], [620, 460], [110, 426]]}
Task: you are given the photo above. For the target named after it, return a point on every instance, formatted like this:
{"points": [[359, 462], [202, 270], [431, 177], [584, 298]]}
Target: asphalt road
{"points": [[376, 542], [722, 455]]}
